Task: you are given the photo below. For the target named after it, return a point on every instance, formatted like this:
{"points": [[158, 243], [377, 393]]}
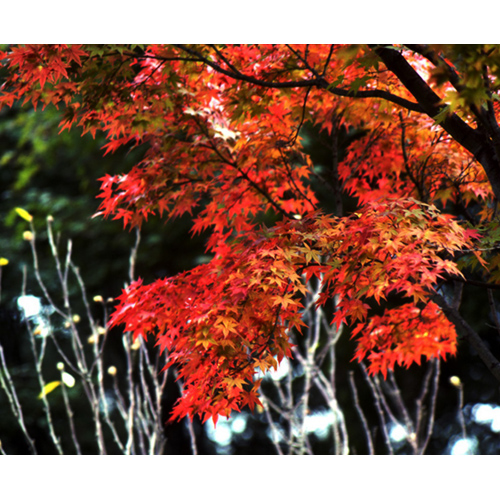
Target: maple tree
{"points": [[222, 127]]}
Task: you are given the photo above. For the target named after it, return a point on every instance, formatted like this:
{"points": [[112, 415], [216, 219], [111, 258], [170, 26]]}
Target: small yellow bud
{"points": [[455, 381], [38, 330], [50, 218], [76, 318], [136, 345], [110, 300], [101, 330], [60, 366], [112, 370], [67, 324], [93, 339], [98, 298], [3, 261], [27, 235]]}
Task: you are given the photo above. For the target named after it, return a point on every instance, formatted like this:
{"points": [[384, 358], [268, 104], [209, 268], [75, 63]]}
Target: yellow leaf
{"points": [[3, 261], [24, 214], [49, 388]]}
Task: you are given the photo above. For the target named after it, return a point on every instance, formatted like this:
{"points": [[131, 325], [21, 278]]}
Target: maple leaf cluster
{"points": [[399, 336], [222, 126]]}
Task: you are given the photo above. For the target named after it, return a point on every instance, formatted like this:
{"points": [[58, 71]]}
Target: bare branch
{"points": [[470, 335]]}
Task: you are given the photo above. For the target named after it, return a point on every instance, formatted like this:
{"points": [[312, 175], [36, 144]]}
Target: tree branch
{"points": [[319, 82], [482, 284], [478, 144], [470, 335], [238, 75]]}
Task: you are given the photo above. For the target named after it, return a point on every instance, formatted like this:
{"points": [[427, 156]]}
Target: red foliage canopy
{"points": [[223, 128]]}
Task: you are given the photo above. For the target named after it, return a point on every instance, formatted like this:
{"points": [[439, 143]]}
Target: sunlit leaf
{"points": [[24, 214], [49, 388], [68, 379]]}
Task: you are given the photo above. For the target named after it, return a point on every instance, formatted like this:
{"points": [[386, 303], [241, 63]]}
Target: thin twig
{"points": [[380, 411], [432, 409], [10, 390], [69, 413], [369, 440]]}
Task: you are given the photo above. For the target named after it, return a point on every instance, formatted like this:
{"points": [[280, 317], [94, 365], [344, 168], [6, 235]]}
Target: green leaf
{"points": [[443, 114]]}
